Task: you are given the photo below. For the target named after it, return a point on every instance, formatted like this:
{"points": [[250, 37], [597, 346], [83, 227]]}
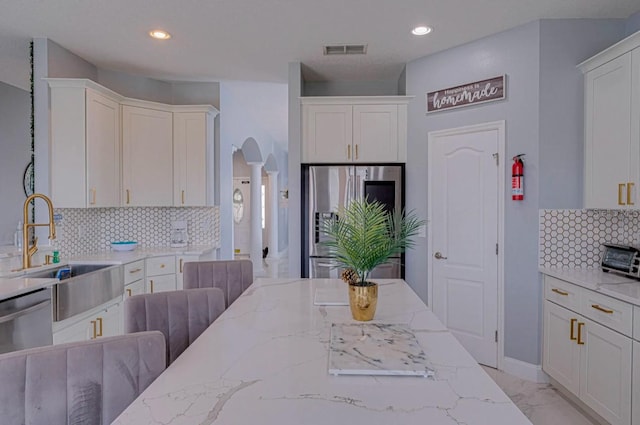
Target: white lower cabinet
{"points": [[100, 322], [134, 288], [635, 387], [590, 360], [161, 283], [180, 261]]}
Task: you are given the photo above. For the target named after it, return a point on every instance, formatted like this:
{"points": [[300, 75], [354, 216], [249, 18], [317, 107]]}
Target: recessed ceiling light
{"points": [[421, 30], [160, 34]]}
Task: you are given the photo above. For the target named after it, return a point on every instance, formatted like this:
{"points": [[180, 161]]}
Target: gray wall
{"points": [[543, 114], [563, 44], [350, 88], [15, 145], [135, 86], [64, 64], [633, 23], [402, 82]]}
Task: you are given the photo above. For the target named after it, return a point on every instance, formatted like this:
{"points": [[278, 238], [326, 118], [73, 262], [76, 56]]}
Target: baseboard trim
{"points": [[524, 370]]}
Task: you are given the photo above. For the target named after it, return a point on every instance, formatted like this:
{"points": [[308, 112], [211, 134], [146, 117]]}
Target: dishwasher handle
{"points": [[19, 313]]}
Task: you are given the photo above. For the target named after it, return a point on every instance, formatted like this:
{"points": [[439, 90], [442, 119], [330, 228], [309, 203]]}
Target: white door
{"points": [[242, 215], [463, 193]]}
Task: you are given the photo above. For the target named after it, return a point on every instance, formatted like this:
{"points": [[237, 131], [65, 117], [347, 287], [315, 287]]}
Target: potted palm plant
{"points": [[363, 237]]}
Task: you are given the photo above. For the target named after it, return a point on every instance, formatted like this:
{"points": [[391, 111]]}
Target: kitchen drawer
{"points": [[133, 271], [161, 283], [161, 265], [636, 324], [607, 311], [562, 293], [135, 288]]}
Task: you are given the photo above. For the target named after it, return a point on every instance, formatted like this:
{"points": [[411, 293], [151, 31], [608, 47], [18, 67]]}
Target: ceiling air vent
{"points": [[346, 49]]}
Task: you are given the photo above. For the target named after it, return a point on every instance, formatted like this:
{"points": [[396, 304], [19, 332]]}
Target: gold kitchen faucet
{"points": [[28, 251]]}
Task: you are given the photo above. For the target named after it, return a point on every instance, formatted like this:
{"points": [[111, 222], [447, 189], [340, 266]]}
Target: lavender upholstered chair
{"points": [[232, 276], [180, 315], [89, 382]]}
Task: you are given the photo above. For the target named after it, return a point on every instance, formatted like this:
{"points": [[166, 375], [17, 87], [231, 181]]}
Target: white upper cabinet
{"points": [[147, 157], [612, 127], [85, 145], [360, 129]]}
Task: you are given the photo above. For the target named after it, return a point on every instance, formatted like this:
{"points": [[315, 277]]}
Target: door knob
{"points": [[439, 256]]}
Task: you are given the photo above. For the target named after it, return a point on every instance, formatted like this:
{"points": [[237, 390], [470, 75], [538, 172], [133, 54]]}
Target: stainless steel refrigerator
{"points": [[326, 188]]}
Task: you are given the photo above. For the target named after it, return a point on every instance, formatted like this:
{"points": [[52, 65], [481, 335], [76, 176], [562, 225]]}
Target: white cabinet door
{"points": [[605, 381], [180, 261], [561, 354], [635, 397], [608, 98], [103, 151], [147, 157], [189, 158], [375, 133], [161, 283], [135, 288], [327, 133], [105, 322]]}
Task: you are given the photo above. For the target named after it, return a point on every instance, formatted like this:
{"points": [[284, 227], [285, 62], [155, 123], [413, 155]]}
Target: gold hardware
{"points": [[580, 341], [28, 251], [181, 265], [95, 329], [151, 284], [604, 310], [183, 197], [47, 259], [620, 186], [93, 196], [629, 186], [162, 266], [128, 292], [557, 291], [348, 151], [135, 271], [128, 197], [572, 337], [356, 151], [99, 320]]}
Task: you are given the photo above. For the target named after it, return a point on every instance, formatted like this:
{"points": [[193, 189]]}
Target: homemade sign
{"points": [[467, 94]]}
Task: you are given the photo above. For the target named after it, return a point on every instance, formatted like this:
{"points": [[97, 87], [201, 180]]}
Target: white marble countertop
{"points": [[611, 284], [265, 361]]}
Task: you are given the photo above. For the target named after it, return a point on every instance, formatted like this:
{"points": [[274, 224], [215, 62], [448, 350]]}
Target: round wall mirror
{"points": [[238, 206]]}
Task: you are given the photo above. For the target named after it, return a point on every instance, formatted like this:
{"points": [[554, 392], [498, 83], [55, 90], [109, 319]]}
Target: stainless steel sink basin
{"points": [[88, 286]]}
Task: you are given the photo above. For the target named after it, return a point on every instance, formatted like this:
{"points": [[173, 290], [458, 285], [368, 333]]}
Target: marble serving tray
{"points": [[376, 349]]}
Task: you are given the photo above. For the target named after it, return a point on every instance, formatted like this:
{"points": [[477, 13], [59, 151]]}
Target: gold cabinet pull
{"points": [[99, 320], [151, 284], [629, 187], [181, 265], [93, 196], [602, 309], [557, 291], [135, 271], [128, 197], [572, 337], [348, 151], [620, 187], [356, 151], [162, 266], [183, 197], [95, 329], [129, 292], [580, 341]]}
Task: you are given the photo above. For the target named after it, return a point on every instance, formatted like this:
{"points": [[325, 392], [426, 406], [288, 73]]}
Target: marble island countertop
{"points": [[266, 361], [611, 284]]}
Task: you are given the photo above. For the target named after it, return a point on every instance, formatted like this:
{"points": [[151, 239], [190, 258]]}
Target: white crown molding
{"points": [[607, 55]]}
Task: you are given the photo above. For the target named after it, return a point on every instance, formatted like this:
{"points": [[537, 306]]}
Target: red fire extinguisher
{"points": [[517, 178]]}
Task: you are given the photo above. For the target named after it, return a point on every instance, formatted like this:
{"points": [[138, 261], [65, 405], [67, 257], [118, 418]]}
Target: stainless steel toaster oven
{"points": [[621, 259]]}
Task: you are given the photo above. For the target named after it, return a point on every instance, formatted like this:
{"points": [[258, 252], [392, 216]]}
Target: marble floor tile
{"points": [[541, 403]]}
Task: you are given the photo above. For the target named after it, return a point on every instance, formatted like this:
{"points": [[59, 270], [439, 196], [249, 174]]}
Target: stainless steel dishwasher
{"points": [[25, 321]]}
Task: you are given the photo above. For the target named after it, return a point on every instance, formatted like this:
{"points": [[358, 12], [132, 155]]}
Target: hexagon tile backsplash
{"points": [[573, 238], [86, 230]]}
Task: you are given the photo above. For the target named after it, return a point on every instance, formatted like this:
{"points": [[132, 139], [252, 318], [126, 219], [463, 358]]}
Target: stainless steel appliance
{"points": [[25, 321], [326, 188], [621, 259]]}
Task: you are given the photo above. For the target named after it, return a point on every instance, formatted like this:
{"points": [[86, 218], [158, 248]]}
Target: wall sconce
{"points": [[284, 194]]}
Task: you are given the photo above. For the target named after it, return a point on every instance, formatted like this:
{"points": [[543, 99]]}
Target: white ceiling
{"points": [[217, 40]]}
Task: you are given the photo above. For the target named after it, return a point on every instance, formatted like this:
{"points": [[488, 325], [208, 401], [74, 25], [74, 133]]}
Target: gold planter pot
{"points": [[363, 301]]}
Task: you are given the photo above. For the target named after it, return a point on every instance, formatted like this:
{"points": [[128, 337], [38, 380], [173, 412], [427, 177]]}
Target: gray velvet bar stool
{"points": [[89, 382], [232, 276], [181, 316]]}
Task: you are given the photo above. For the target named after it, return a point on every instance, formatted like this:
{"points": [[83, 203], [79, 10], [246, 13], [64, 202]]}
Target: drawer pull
{"points": [[580, 341], [95, 329], [151, 284], [129, 292], [162, 266], [557, 291], [99, 320], [572, 336], [604, 310], [181, 261], [135, 271]]}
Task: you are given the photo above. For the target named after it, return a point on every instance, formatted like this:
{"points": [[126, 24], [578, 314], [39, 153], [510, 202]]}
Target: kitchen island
{"points": [[265, 360]]}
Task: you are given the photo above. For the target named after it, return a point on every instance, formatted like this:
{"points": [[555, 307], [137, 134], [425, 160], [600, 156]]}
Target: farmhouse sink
{"points": [[88, 286]]}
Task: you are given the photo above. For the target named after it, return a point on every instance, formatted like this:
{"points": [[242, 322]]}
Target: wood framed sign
{"points": [[467, 94]]}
